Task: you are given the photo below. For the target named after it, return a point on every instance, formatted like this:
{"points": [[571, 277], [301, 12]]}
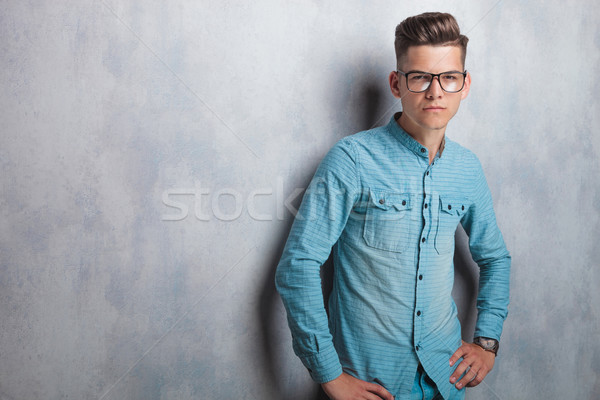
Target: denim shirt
{"points": [[389, 217]]}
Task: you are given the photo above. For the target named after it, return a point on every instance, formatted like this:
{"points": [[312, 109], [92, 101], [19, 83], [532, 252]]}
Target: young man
{"points": [[388, 201]]}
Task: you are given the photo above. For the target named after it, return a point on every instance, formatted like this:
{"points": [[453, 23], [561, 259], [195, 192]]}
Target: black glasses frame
{"points": [[406, 74]]}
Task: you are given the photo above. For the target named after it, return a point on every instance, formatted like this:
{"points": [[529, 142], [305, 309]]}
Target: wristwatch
{"points": [[487, 344]]}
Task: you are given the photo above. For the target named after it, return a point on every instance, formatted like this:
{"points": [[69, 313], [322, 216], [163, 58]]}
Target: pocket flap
{"points": [[454, 205], [386, 200]]}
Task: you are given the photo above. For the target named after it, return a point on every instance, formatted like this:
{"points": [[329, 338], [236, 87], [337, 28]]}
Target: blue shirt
{"points": [[390, 216]]}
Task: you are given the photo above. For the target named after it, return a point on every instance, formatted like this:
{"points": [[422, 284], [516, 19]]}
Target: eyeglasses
{"points": [[450, 82]]}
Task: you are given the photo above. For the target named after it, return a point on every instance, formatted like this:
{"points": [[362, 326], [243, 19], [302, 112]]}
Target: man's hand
{"points": [[347, 387], [477, 360]]}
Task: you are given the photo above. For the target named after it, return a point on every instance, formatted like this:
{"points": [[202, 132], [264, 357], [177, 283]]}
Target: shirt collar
{"points": [[408, 141]]}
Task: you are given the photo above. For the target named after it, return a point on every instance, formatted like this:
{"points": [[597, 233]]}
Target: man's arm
{"points": [[489, 252], [321, 218]]}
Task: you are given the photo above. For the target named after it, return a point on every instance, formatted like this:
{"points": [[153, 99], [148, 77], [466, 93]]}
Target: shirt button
{"points": [[449, 207], [423, 240], [427, 172], [417, 348], [381, 201], [422, 150], [403, 202], [463, 208], [425, 205], [420, 277], [418, 313]]}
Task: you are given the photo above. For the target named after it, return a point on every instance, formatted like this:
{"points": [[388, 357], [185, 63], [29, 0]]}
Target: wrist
{"points": [[487, 344]]}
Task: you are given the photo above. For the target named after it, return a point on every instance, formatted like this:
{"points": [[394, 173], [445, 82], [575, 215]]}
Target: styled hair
{"points": [[430, 28]]}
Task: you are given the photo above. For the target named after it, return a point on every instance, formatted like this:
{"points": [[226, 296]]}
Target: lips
{"points": [[434, 108]]}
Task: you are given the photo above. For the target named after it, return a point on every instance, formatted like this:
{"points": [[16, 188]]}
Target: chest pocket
{"points": [[387, 222], [450, 212]]}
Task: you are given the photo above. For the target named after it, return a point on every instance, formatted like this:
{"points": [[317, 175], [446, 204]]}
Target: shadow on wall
{"points": [[466, 283], [466, 271]]}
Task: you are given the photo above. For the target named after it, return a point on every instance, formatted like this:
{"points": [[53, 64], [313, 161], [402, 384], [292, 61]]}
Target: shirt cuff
{"points": [[323, 366], [489, 326]]}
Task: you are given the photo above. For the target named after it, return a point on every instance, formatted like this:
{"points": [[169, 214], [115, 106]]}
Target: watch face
{"points": [[488, 344]]}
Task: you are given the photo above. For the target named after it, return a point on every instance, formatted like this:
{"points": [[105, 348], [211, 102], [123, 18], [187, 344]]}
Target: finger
{"points": [[380, 391], [460, 369], [467, 378], [371, 396], [457, 355], [481, 374]]}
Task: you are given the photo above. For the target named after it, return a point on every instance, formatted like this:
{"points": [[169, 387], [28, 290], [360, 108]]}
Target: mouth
{"points": [[434, 108]]}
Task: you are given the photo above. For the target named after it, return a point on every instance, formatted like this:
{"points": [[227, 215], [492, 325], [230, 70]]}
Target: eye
{"points": [[419, 77], [450, 78]]}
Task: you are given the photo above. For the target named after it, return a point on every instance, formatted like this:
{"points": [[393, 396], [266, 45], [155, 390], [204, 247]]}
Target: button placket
{"points": [[425, 212], [428, 209]]}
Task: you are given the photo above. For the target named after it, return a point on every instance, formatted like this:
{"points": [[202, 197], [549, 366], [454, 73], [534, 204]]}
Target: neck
{"points": [[430, 138]]}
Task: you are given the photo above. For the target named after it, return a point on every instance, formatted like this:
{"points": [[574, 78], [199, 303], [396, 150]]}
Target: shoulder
{"points": [[346, 151], [351, 151], [366, 140], [366, 135], [462, 156]]}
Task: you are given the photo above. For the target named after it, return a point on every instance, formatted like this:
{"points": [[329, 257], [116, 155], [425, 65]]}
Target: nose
{"points": [[435, 89]]}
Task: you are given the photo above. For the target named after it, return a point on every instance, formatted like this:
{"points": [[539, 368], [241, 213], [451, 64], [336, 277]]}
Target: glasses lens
{"points": [[452, 82], [418, 82]]}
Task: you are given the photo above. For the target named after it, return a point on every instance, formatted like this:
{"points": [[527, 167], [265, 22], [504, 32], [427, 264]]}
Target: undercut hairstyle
{"points": [[431, 28]]}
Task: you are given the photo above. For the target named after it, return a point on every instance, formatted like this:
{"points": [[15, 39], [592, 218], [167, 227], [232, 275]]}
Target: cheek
{"points": [[409, 100], [453, 104]]}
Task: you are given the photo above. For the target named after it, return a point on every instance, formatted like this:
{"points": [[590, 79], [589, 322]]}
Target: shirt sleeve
{"points": [[321, 219], [489, 252]]}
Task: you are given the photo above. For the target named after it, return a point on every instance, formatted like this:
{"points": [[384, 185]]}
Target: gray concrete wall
{"points": [[152, 154]]}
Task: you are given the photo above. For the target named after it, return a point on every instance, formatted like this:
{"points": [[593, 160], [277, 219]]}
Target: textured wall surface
{"points": [[153, 152]]}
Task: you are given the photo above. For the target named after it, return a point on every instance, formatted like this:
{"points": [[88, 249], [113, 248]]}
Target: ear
{"points": [[395, 84], [464, 93]]}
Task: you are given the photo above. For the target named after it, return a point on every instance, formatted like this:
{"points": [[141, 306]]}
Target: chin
{"points": [[434, 125]]}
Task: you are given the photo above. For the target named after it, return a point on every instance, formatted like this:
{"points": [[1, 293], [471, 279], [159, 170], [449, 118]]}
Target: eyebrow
{"points": [[424, 72]]}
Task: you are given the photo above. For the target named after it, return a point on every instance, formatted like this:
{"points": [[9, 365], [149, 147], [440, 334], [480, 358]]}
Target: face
{"points": [[430, 110]]}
